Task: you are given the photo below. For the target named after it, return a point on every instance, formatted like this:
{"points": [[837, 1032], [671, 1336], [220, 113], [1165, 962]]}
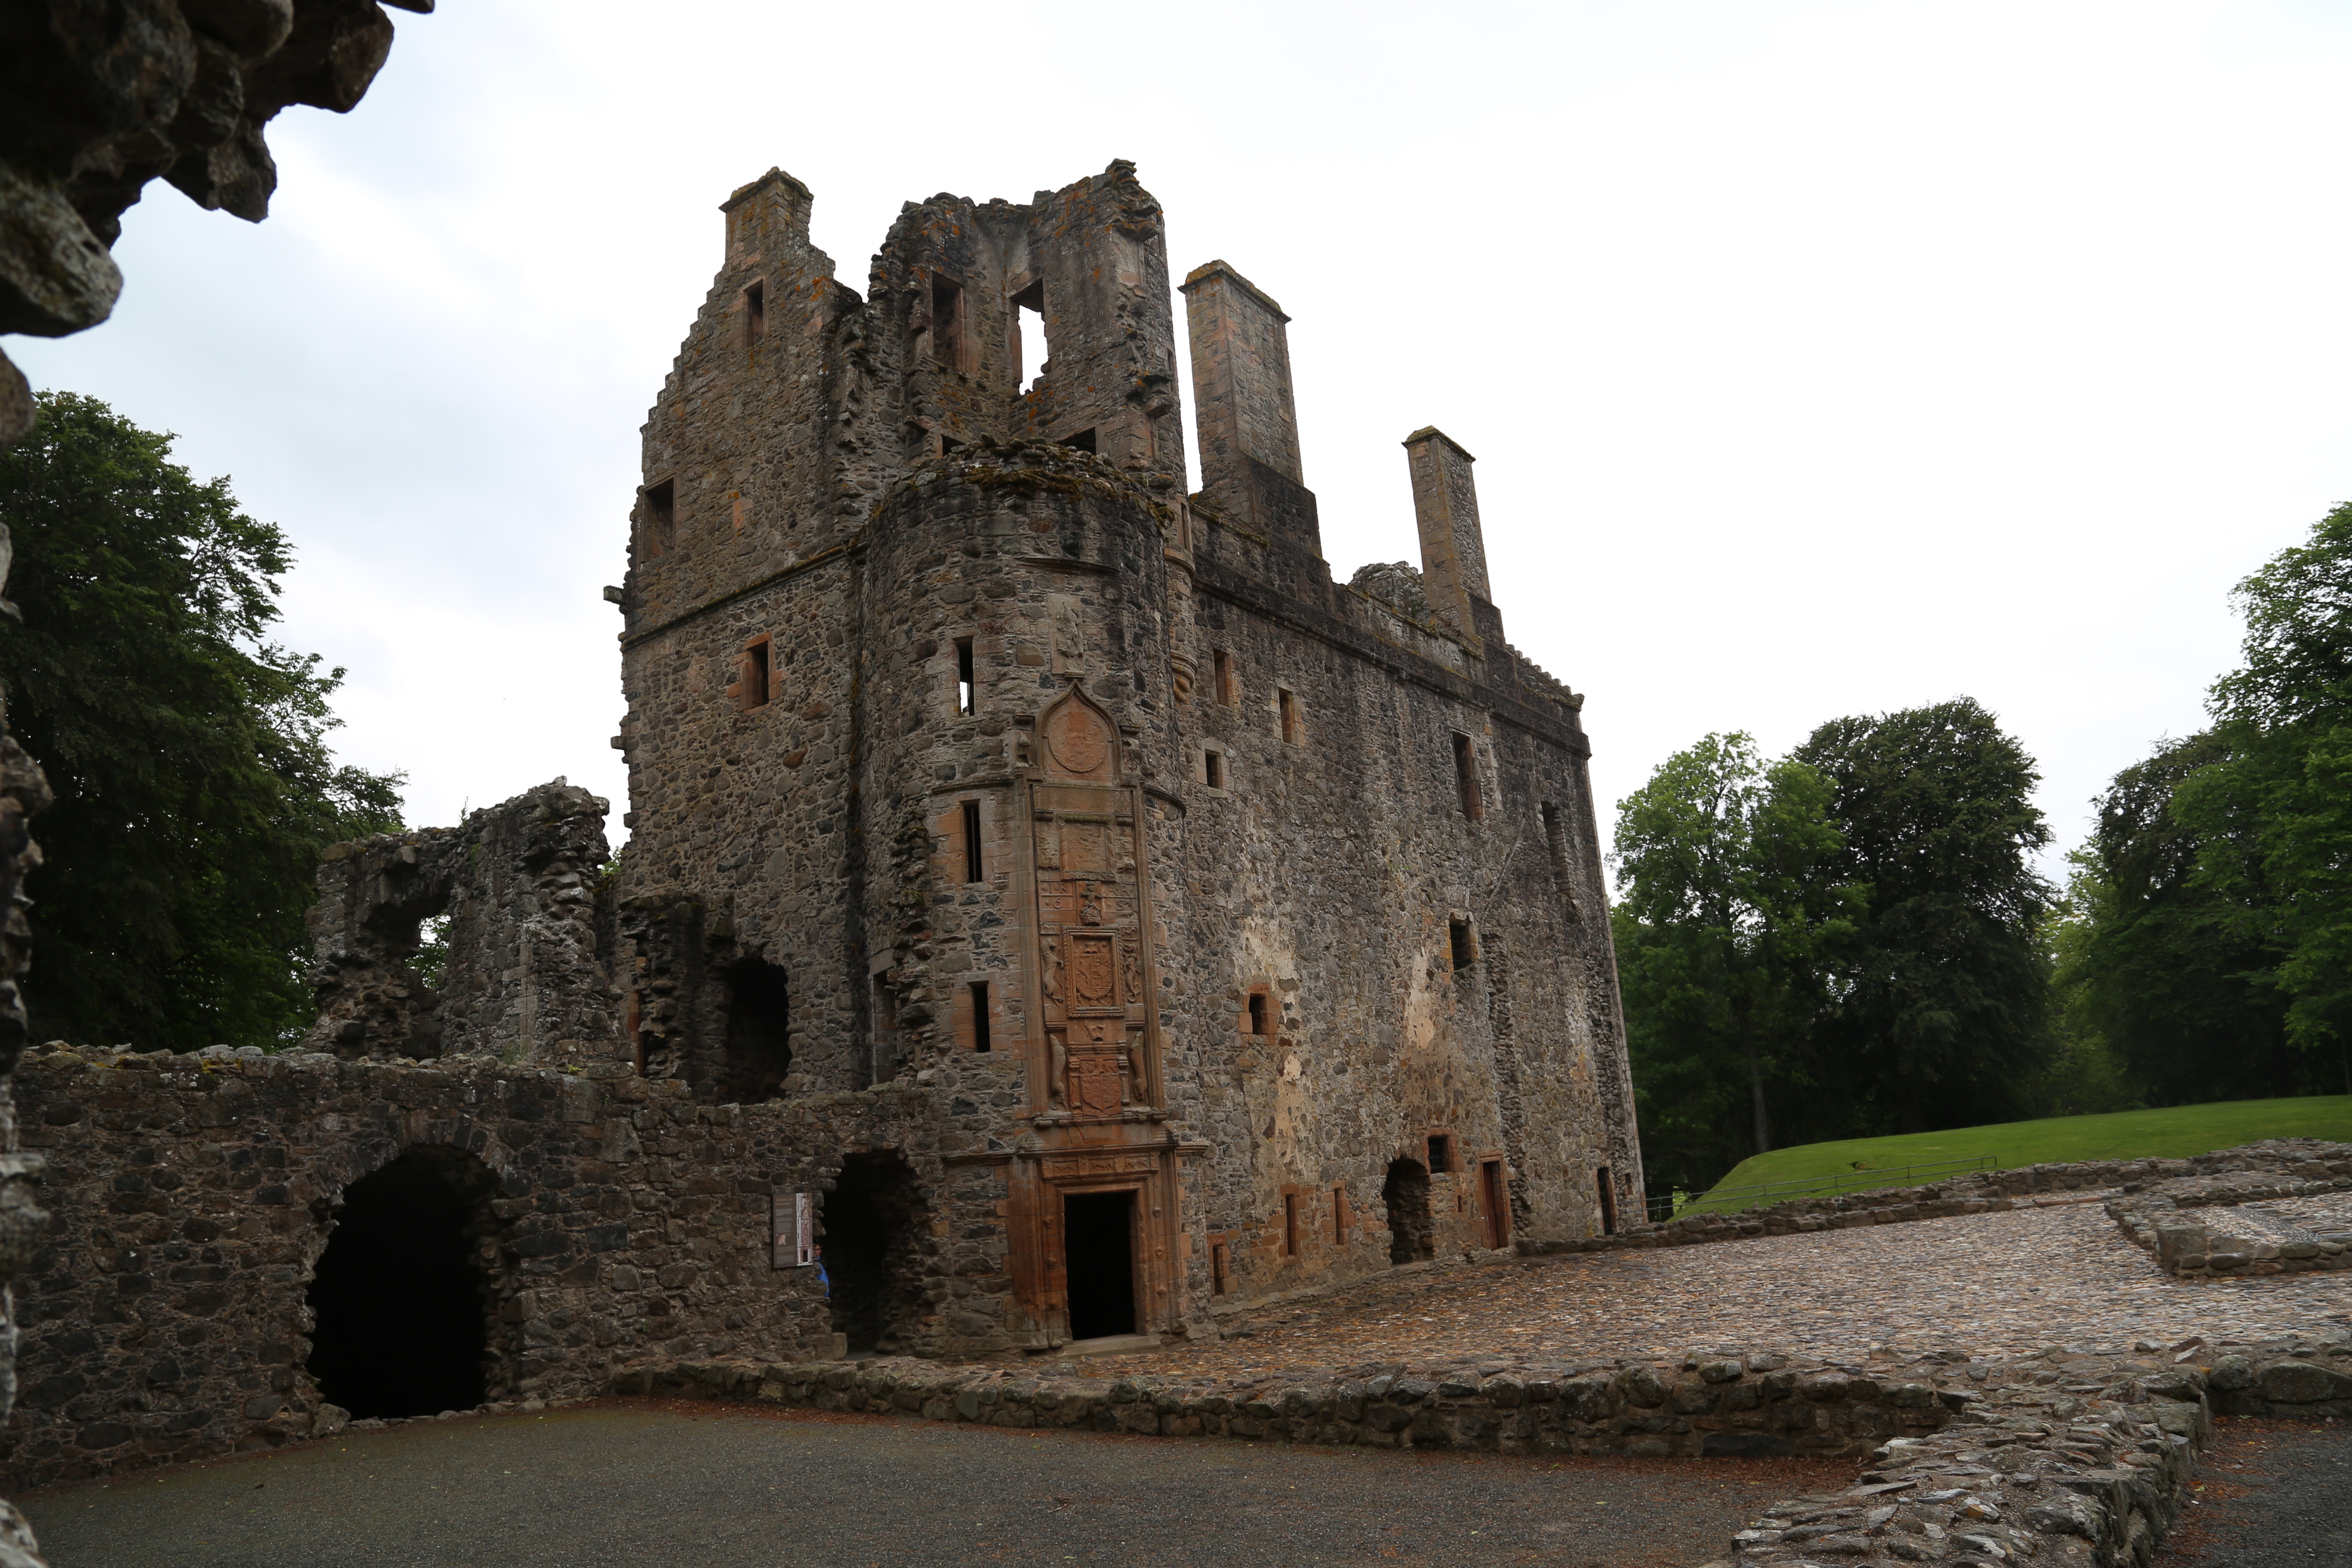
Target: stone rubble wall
{"points": [[190, 1197], [2208, 1248], [2278, 1167]]}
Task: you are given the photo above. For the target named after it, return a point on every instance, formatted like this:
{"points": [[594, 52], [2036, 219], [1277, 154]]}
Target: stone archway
{"points": [[400, 1298], [876, 1220]]}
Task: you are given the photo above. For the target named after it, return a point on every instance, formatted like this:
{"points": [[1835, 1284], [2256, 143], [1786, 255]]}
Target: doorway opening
{"points": [[1412, 1234], [1493, 1196], [875, 1221], [1098, 1256], [399, 1300], [759, 1040]]}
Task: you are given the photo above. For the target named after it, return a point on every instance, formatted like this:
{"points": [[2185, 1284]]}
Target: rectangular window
{"points": [[1441, 1153], [1465, 777], [1084, 441], [1608, 1201], [1221, 1271], [1459, 946], [947, 323], [973, 871], [755, 312], [1339, 1216], [967, 693], [751, 676], [1222, 666], [1287, 712], [660, 517], [1257, 1013], [1027, 320], [980, 1015], [882, 1064], [1213, 769], [1290, 1224]]}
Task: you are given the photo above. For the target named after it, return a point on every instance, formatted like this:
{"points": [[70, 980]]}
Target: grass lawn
{"points": [[2173, 1132]]}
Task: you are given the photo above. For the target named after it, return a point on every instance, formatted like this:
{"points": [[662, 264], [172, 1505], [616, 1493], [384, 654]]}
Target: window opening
{"points": [[1029, 348], [882, 1064], [1290, 1224], [1257, 1013], [1098, 1250], [979, 1016], [1608, 1201], [1412, 1234], [1213, 769], [1465, 777], [967, 691], [755, 312], [1222, 664], [1286, 711], [1084, 441], [1497, 1204], [973, 871], [751, 684], [661, 517], [947, 323], [1339, 1216], [1441, 1152], [1220, 1276], [1464, 952], [758, 1050], [950, 445]]}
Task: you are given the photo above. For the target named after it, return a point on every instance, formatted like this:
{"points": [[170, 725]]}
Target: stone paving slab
{"points": [[1993, 1285]]}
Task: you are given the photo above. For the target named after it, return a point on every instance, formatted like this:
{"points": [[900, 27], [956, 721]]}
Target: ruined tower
{"points": [[1232, 929]]}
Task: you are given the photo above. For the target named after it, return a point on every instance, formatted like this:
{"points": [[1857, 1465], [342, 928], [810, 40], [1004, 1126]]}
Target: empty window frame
{"points": [[1027, 320], [974, 869], [657, 517], [947, 336], [979, 1016], [1285, 714], [755, 312], [1465, 777], [1212, 767], [1220, 667], [1608, 1201], [1339, 1216], [1080, 441], [1290, 1224], [1441, 1153], [752, 676], [967, 690], [1460, 946], [1221, 1268], [1257, 1013]]}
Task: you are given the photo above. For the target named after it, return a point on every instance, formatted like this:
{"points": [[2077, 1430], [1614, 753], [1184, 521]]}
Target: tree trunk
{"points": [[1755, 1094]]}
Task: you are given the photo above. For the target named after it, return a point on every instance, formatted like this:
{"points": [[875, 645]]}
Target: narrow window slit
{"points": [[980, 1015], [967, 697], [973, 871]]}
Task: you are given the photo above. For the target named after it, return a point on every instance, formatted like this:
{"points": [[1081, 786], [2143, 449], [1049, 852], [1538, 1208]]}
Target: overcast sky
{"points": [[1819, 358]]}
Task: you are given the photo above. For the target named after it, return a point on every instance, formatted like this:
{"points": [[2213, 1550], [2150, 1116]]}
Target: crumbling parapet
{"points": [[525, 973]]}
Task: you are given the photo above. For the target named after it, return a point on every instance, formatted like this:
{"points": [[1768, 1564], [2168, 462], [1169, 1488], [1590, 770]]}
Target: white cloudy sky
{"points": [[1820, 358]]}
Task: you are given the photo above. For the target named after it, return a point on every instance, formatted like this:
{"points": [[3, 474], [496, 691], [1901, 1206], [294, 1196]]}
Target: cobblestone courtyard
{"points": [[1993, 1285]]}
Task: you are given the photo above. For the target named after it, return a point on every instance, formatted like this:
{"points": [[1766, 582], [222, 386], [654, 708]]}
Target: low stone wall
{"points": [[189, 1199], [1985, 1191], [2241, 1244]]}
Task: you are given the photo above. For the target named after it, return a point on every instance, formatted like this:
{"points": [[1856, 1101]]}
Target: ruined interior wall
{"points": [[191, 1196]]}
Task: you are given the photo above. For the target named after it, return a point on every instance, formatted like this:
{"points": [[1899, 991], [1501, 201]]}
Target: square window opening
{"points": [[755, 312], [1257, 1013], [660, 517], [1286, 711], [973, 870], [1441, 1153], [1213, 769], [979, 1016], [967, 692], [751, 678], [1460, 945]]}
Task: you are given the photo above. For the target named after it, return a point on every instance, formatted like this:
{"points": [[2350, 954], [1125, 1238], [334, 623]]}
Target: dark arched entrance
{"points": [[874, 1220], [1413, 1236], [398, 1306]]}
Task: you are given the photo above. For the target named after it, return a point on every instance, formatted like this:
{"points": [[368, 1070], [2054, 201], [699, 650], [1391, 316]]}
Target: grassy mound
{"points": [[2172, 1132]]}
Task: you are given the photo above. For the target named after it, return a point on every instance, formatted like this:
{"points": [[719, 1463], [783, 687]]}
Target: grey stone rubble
{"points": [[2251, 1241]]}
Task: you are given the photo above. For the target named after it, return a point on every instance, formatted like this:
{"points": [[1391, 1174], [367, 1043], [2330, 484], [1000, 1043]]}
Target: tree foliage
{"points": [[194, 785], [1723, 924], [1941, 1010]]}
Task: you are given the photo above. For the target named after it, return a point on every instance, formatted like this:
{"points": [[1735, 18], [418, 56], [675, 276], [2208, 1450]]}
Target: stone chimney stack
{"points": [[1453, 550], [1247, 419]]}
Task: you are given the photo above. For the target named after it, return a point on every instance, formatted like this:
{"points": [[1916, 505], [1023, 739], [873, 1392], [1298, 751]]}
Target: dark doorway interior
{"points": [[758, 1046], [1411, 1234], [874, 1223], [399, 1306], [1099, 1253], [1496, 1196]]}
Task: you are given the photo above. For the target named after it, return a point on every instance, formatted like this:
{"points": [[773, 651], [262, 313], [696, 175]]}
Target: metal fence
{"points": [[1731, 1200]]}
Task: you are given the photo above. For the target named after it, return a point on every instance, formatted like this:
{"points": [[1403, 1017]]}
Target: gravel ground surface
{"points": [[1993, 1285], [666, 1486], [2270, 1494]]}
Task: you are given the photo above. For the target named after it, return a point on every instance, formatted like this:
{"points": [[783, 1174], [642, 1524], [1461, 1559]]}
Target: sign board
{"points": [[793, 1228]]}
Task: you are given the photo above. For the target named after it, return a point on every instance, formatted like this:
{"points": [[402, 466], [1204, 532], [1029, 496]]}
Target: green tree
{"points": [[1723, 922], [194, 785], [1939, 1015], [2169, 967], [2272, 814]]}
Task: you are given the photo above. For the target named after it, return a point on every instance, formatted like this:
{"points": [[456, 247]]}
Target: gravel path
{"points": [[1993, 1285], [2268, 1494], [657, 1486]]}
